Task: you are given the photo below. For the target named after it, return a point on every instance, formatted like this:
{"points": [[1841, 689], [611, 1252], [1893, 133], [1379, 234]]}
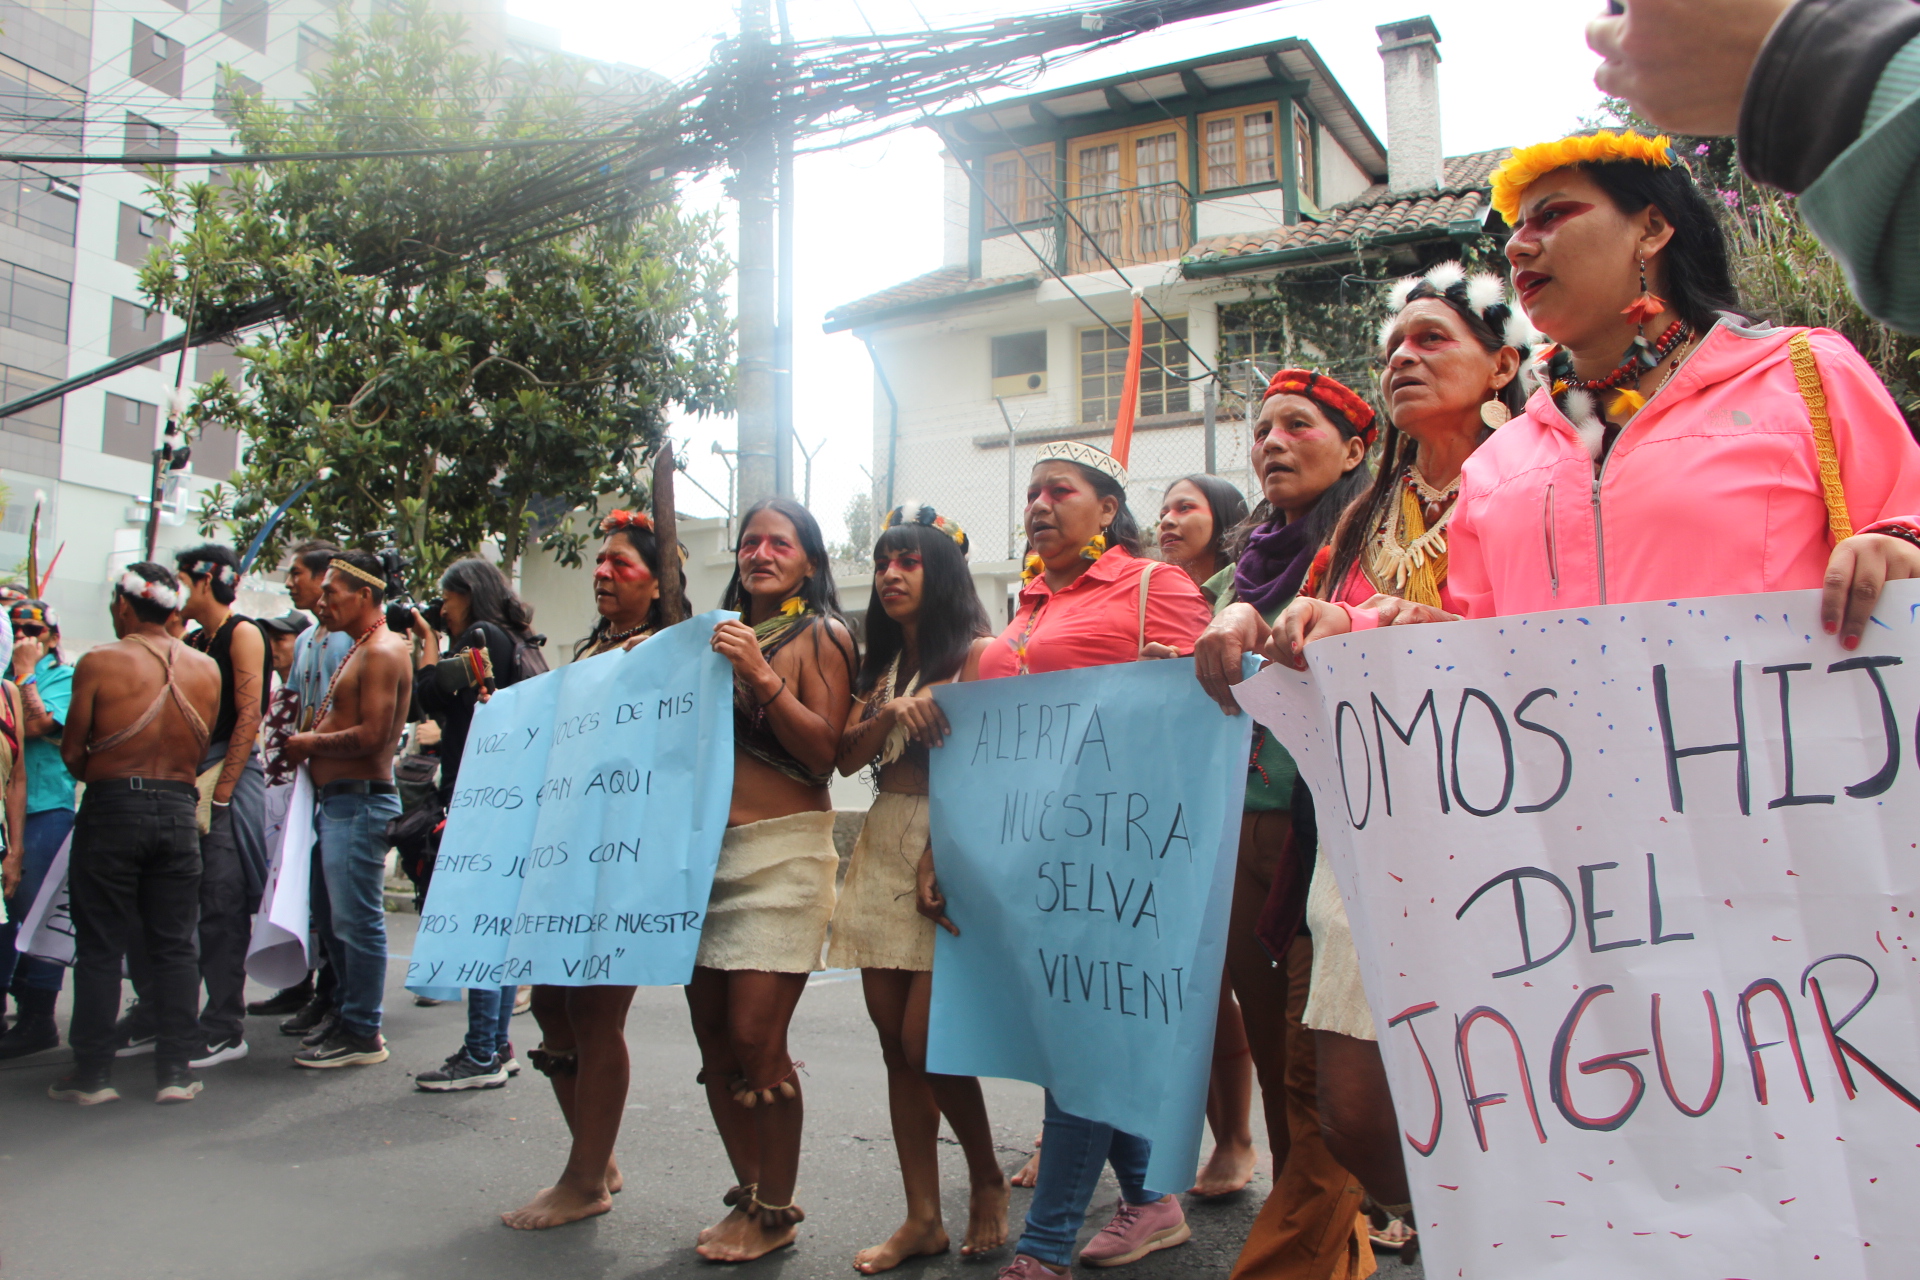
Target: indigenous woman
{"points": [[1682, 432], [35, 1013], [1452, 349], [1086, 604], [1196, 517], [583, 1041], [1309, 450], [922, 619], [794, 663]]}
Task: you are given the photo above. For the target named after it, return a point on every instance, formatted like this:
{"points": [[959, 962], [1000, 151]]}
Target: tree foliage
{"points": [[528, 369]]}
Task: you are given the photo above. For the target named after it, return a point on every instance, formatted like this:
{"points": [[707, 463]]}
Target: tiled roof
{"points": [[1375, 214], [948, 283]]}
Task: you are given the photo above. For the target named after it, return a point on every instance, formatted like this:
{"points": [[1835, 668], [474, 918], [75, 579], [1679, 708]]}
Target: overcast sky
{"points": [[869, 216]]}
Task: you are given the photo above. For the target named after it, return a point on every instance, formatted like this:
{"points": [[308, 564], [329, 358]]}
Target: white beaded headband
{"points": [[1084, 454]]}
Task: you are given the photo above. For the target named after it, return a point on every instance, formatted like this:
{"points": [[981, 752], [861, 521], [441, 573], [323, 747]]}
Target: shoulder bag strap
{"points": [[1140, 641], [1807, 371]]}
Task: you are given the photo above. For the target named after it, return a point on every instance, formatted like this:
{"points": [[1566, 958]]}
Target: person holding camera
{"points": [[492, 646]]}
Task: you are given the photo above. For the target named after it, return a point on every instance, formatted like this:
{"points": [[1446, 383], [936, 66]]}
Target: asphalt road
{"points": [[310, 1174]]}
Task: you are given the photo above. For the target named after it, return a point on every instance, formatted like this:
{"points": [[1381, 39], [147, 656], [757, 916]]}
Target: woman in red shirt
{"points": [[1089, 600]]}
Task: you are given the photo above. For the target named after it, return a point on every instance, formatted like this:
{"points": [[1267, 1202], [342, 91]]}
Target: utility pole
{"points": [[783, 440], [754, 165]]}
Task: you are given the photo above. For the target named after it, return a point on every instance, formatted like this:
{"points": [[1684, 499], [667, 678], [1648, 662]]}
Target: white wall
{"points": [[1254, 212], [1341, 179], [1013, 255]]}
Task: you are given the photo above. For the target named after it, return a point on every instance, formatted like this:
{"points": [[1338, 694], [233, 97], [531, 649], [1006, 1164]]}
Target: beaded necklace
{"points": [[326, 703], [1640, 360], [1407, 554]]}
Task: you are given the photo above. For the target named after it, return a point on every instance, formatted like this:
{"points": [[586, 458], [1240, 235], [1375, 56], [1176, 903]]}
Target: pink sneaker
{"points": [[1025, 1268], [1136, 1231]]}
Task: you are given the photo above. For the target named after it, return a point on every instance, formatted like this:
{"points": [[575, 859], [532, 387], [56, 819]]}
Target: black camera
{"points": [[393, 567], [434, 615]]}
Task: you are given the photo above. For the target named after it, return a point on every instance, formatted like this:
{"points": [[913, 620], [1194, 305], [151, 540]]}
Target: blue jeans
{"points": [[348, 903], [489, 1017], [1073, 1150], [45, 831]]}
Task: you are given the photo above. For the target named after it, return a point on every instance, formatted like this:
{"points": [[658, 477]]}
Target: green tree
{"points": [[475, 343]]}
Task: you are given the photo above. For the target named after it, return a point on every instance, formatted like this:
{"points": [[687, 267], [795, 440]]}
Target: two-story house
{"points": [[1214, 187]]}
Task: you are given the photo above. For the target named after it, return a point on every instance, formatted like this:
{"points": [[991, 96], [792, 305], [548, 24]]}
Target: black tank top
{"points": [[219, 646]]}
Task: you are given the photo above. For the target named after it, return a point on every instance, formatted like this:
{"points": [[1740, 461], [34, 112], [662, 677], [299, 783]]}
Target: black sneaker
{"points": [[309, 1017], [343, 1049], [88, 1086], [178, 1085], [328, 1025], [231, 1049], [462, 1072], [512, 1063], [29, 1035], [281, 1003]]}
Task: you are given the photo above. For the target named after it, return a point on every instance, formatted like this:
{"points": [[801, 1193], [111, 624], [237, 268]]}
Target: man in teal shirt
{"points": [[46, 687]]}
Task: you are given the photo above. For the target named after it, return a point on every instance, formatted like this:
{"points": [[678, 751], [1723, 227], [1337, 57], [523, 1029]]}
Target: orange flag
{"points": [[1129, 392]]}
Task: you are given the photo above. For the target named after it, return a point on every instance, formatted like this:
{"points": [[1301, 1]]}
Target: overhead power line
{"points": [[224, 158]]}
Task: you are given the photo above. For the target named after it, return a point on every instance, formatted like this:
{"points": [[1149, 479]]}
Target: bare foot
{"points": [[616, 1181], [986, 1220], [912, 1240], [1030, 1171], [1228, 1170], [739, 1238], [556, 1206], [708, 1233]]}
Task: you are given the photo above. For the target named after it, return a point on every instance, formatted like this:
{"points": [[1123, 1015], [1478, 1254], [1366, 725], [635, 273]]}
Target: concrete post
{"points": [[1411, 52]]}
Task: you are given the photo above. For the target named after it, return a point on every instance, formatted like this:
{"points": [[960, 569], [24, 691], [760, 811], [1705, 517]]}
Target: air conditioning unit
{"points": [[1020, 384], [1020, 364]]}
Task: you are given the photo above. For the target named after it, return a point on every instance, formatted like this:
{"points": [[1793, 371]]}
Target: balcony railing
{"points": [[1127, 227]]}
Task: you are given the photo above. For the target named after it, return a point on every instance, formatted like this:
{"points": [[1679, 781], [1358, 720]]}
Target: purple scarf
{"points": [[1275, 563]]}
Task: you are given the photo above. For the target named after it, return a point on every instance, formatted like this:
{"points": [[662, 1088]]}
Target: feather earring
{"points": [[1641, 310]]}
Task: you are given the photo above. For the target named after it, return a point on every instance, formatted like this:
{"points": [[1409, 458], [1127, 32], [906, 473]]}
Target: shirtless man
{"points": [[350, 747], [136, 729]]}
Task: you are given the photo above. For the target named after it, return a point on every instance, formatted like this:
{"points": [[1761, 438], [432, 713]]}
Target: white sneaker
{"points": [[218, 1052]]}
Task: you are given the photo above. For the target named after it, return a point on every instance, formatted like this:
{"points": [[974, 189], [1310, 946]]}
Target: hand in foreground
{"points": [[298, 749], [927, 898], [1299, 625], [922, 718], [1238, 630], [1683, 64], [735, 641], [27, 652], [1153, 651], [1859, 569], [10, 876]]}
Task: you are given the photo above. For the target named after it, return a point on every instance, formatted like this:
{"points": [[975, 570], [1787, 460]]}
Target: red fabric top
{"points": [[1095, 619]]}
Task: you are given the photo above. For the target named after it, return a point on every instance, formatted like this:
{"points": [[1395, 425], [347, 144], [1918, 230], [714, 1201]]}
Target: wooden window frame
{"points": [[1170, 346], [1034, 181], [1238, 116], [1306, 173]]}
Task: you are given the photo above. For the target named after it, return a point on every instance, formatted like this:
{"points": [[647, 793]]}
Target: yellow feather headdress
{"points": [[1529, 164]]}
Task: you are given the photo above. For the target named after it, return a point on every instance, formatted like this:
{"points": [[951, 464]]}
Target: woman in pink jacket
{"points": [[1672, 452]]}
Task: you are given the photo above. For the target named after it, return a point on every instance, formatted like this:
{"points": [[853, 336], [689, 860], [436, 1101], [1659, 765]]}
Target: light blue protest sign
{"points": [[1085, 825], [582, 836]]}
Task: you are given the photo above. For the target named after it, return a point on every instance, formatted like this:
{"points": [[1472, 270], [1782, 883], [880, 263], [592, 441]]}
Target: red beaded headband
{"points": [[1329, 394]]}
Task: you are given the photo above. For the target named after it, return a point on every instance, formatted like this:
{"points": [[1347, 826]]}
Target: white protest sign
{"points": [[47, 932], [277, 952], [1634, 892]]}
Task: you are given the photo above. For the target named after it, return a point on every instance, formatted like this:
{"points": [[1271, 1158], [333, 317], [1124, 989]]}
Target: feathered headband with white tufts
{"points": [[224, 574], [921, 514], [135, 587], [1483, 294]]}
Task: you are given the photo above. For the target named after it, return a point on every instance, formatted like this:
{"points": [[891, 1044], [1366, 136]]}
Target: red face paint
{"points": [[903, 561], [1549, 218], [612, 567]]}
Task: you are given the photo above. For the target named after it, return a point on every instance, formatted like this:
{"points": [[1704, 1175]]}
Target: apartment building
{"points": [[115, 77]]}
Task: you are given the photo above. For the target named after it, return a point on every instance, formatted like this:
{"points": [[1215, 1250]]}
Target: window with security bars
{"points": [[1163, 368], [1020, 186], [1239, 149]]}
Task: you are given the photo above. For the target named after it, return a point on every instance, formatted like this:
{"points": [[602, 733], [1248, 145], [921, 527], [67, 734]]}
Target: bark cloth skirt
{"points": [[772, 895], [876, 924], [1336, 1000]]}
